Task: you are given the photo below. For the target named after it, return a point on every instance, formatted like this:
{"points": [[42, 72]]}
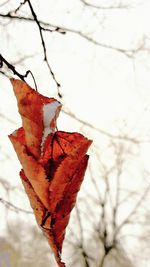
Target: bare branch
{"points": [[43, 45], [4, 3], [44, 26], [137, 206], [5, 74], [108, 7], [14, 208], [84, 254], [15, 72], [12, 68], [7, 119], [102, 261], [119, 167], [127, 197], [20, 5], [127, 52], [79, 222], [95, 185], [103, 132], [5, 184]]}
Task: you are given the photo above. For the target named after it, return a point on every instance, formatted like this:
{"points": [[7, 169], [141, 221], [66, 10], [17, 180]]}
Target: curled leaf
{"points": [[53, 162]]}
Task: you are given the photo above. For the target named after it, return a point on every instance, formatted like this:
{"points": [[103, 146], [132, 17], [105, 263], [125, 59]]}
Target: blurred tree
{"points": [[111, 215]]}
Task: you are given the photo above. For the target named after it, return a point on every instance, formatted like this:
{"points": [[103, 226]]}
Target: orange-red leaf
{"points": [[30, 105], [33, 170], [54, 163]]}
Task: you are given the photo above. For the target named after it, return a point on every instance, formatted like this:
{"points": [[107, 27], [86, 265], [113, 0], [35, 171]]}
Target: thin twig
{"points": [[43, 45], [103, 132], [4, 3], [15, 72], [102, 260], [80, 224], [6, 184], [18, 8], [127, 52], [138, 204], [95, 185], [84, 254], [12, 207], [119, 167], [102, 7], [12, 68], [2, 116], [44, 26]]}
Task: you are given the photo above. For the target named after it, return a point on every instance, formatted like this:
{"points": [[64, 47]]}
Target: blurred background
{"points": [[99, 52]]}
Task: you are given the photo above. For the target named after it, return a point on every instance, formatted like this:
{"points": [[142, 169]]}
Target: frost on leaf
{"points": [[53, 163]]}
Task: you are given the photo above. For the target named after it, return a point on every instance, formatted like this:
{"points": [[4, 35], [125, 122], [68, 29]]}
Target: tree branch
{"points": [[4, 3], [138, 204], [14, 208], [103, 132], [15, 72], [84, 254], [12, 68], [44, 26], [43, 44], [19, 7], [127, 52], [102, 7], [119, 168]]}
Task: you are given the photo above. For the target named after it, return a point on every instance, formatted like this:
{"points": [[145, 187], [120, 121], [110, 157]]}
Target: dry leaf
{"points": [[53, 162]]}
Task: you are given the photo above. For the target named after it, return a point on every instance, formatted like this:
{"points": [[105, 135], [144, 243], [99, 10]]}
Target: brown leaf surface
{"points": [[33, 170], [30, 106], [40, 212], [64, 207], [53, 170]]}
